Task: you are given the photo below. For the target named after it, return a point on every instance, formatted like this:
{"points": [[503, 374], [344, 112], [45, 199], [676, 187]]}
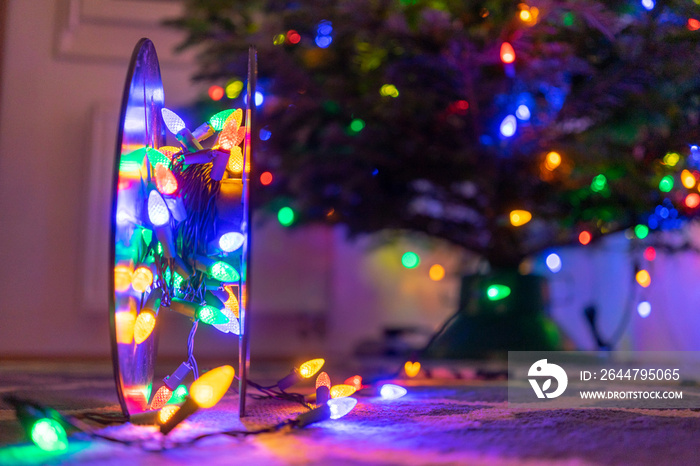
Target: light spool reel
{"points": [[141, 130]]}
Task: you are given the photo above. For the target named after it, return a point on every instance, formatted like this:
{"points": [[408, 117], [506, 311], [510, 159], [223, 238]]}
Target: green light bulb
{"points": [[497, 292], [211, 315], [599, 183], [49, 435], [641, 231], [217, 121], [357, 125], [178, 395], [666, 184], [155, 157], [410, 260], [224, 272], [285, 216]]}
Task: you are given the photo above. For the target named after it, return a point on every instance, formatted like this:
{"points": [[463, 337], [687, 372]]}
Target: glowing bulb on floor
{"points": [[142, 279], [508, 126], [355, 381], [224, 272], [211, 386], [553, 262], [323, 380], [211, 315], [172, 121], [341, 406], [166, 413], [643, 278], [411, 368], [309, 368], [165, 180], [144, 325], [231, 241], [205, 392], [507, 53], [497, 292], [158, 212], [49, 435], [342, 390], [391, 391], [644, 309], [161, 397]]}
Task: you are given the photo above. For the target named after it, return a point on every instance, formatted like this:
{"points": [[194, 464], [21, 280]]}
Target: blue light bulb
{"points": [[341, 406], [391, 391]]}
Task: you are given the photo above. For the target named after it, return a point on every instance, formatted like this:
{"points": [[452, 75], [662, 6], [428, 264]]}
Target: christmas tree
{"points": [[502, 127]]}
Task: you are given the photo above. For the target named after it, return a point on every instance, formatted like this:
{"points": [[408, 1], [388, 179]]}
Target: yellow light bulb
{"points": [[643, 278], [122, 278], [235, 161], [144, 325], [142, 279], [209, 388], [309, 368], [520, 217], [525, 15], [687, 179], [342, 390], [552, 161], [412, 368], [166, 412], [436, 272]]}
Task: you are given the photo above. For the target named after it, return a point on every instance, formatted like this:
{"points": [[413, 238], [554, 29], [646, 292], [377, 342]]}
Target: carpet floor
{"points": [[439, 422]]}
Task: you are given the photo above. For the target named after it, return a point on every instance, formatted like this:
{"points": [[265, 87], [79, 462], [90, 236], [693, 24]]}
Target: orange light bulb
{"points": [[232, 134], [161, 397], [210, 387], [342, 390], [355, 381], [309, 368], [323, 380], [688, 179], [165, 180], [436, 272], [585, 237], [552, 161]]}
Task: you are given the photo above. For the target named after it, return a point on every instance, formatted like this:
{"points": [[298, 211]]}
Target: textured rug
{"points": [[438, 422]]}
